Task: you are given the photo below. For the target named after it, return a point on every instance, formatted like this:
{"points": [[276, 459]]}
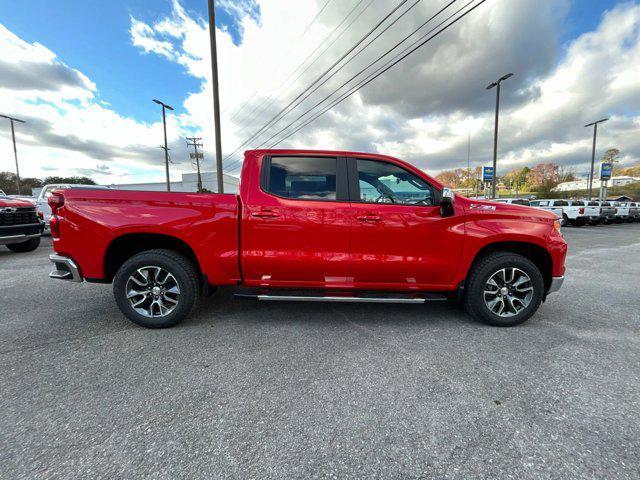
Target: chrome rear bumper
{"points": [[65, 268], [556, 283]]}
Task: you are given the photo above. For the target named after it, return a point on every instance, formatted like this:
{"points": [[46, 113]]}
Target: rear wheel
{"points": [[504, 289], [156, 288], [565, 220], [28, 246]]}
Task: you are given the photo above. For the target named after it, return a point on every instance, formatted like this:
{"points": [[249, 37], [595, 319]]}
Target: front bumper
{"points": [[556, 283], [20, 238], [10, 234], [65, 268]]}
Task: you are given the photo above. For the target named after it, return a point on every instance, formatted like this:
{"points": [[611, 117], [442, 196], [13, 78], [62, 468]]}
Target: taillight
{"points": [[54, 225], [581, 211], [56, 201]]}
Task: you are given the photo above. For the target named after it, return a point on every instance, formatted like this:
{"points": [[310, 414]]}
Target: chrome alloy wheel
{"points": [[508, 291], [153, 292]]}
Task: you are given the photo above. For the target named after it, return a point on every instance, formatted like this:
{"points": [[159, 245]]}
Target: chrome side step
{"points": [[343, 299], [297, 298]]}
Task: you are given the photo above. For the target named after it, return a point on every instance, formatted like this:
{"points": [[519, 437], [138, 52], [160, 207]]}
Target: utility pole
{"points": [[15, 150], [593, 151], [196, 142], [166, 149], [495, 132], [216, 96]]}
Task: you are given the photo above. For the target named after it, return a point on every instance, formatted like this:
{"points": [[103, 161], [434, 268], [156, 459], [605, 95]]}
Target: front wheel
{"points": [[504, 289], [156, 288], [28, 246]]}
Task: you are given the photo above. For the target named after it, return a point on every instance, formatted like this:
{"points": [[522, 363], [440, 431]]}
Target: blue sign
{"points": [[487, 174], [605, 171]]}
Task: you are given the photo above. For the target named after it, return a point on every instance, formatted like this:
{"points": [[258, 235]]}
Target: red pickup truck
{"points": [[310, 225], [20, 225]]}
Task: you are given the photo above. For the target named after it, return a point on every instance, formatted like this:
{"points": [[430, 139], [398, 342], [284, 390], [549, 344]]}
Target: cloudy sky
{"points": [[82, 74]]}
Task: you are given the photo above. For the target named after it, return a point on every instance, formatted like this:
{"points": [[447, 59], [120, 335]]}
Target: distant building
{"points": [[189, 183], [583, 184]]}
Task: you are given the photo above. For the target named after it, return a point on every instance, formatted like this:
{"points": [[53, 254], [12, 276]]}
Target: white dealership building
{"points": [[583, 184], [188, 183]]}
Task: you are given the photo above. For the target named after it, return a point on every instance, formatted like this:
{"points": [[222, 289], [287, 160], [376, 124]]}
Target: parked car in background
{"points": [[622, 211], [43, 207], [549, 206], [513, 201], [20, 226], [2, 194], [607, 211], [310, 225], [28, 198], [634, 211], [587, 212]]}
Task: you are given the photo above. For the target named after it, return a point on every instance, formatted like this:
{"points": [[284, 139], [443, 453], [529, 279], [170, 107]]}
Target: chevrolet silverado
{"points": [[310, 226]]}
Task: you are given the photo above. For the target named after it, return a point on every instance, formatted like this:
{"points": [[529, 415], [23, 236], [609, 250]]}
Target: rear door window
{"points": [[303, 178]]}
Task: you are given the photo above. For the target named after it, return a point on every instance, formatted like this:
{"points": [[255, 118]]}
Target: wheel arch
{"points": [[127, 245], [537, 254]]}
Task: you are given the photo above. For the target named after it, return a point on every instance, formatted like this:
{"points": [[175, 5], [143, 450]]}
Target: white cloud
{"points": [[421, 110]]}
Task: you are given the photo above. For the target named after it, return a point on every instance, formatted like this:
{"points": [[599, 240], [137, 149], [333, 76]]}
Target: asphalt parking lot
{"points": [[288, 390]]}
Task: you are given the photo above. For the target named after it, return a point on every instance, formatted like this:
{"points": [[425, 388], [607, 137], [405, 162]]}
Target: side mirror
{"points": [[446, 203]]}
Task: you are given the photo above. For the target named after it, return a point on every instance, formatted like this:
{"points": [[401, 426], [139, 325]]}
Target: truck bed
{"points": [[207, 224]]}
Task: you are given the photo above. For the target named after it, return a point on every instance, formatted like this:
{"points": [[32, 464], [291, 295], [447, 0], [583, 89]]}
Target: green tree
{"points": [[611, 156], [74, 180], [8, 184]]}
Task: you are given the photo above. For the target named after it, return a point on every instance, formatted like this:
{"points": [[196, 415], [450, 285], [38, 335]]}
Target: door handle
{"points": [[265, 214], [369, 218]]}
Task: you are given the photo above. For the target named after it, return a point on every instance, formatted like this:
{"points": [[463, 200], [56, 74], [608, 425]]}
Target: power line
{"points": [[387, 66], [315, 18], [280, 113], [281, 88], [363, 70]]}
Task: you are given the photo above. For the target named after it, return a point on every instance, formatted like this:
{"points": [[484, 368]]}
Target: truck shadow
{"points": [[223, 305]]}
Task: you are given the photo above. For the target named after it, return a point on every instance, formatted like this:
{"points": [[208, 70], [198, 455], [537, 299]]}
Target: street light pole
{"points": [[216, 95], [15, 150], [166, 149], [495, 131], [593, 151]]}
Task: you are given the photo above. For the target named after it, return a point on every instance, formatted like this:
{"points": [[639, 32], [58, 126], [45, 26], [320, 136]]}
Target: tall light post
{"points": [[15, 150], [166, 149], [495, 132], [216, 96], [593, 151]]}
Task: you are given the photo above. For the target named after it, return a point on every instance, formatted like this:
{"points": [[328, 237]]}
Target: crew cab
{"points": [[310, 225], [20, 226]]}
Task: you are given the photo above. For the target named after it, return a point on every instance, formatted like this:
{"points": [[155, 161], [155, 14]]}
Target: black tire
{"points": [[28, 246], [565, 220], [184, 273], [483, 270]]}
